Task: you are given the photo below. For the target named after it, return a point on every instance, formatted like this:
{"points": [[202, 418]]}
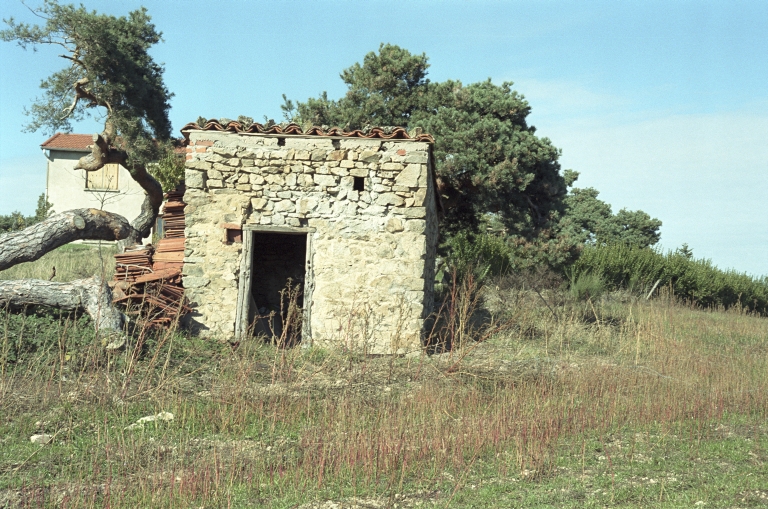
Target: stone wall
{"points": [[372, 251]]}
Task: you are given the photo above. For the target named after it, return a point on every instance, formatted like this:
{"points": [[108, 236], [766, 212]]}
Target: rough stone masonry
{"points": [[368, 207]]}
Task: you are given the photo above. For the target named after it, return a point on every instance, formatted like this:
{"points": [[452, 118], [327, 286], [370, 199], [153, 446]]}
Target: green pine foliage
{"points": [[109, 69], [697, 281], [489, 160], [591, 220]]}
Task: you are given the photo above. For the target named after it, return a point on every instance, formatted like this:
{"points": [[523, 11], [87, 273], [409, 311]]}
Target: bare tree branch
{"points": [[75, 60], [82, 93]]}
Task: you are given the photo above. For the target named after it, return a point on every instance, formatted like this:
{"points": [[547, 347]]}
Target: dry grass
{"points": [[73, 261], [563, 404]]}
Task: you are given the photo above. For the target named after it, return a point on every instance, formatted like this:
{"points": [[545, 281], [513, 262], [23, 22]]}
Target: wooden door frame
{"points": [[245, 281]]}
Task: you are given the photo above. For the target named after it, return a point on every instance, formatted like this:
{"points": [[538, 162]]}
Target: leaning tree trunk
{"points": [[142, 225], [80, 224], [92, 294]]}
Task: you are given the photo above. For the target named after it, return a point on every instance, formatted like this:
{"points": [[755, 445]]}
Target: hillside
{"points": [[620, 402]]}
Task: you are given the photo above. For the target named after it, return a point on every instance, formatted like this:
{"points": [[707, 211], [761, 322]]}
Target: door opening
{"points": [[276, 294]]}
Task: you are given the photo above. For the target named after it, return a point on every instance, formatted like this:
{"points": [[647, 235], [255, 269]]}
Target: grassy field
{"points": [[73, 261], [615, 403]]}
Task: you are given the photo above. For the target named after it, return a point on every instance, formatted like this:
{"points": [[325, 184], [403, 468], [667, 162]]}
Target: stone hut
{"points": [[348, 218]]}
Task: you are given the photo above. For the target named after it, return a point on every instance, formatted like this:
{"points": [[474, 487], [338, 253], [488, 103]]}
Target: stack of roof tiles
{"points": [[134, 262], [148, 280], [169, 255]]}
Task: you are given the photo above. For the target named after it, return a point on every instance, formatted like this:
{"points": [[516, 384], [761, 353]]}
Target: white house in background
{"points": [[111, 188]]}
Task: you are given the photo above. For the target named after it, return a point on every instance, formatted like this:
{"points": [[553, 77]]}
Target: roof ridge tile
{"points": [[383, 133]]}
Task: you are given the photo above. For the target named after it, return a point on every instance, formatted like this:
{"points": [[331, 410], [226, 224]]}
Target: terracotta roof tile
{"points": [[80, 143], [384, 133], [67, 141]]}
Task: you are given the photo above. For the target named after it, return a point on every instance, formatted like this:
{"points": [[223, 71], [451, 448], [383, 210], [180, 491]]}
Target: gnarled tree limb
{"points": [[92, 295], [102, 153], [150, 207], [79, 224], [83, 93]]}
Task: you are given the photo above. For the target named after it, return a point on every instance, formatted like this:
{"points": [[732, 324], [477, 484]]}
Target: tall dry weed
{"points": [[260, 425]]}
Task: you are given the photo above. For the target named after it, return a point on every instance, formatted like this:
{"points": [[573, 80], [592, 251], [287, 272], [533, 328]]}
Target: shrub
{"points": [[697, 281], [586, 286], [16, 221], [25, 333], [484, 254], [169, 170]]}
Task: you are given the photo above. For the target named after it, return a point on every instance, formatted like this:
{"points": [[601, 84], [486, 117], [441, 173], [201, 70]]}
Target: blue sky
{"points": [[662, 106]]}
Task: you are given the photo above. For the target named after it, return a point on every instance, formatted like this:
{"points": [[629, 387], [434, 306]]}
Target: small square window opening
{"points": [[359, 184], [234, 236]]}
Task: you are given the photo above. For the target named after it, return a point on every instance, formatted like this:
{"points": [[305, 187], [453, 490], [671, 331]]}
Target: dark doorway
{"points": [[278, 273]]}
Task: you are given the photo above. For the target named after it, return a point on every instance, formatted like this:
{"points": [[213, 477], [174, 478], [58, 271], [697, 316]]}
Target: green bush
{"points": [[587, 285], [26, 333], [485, 254], [697, 281], [16, 221], [169, 170]]}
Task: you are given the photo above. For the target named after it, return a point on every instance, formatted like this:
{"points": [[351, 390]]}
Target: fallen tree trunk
{"points": [[91, 295], [80, 224]]}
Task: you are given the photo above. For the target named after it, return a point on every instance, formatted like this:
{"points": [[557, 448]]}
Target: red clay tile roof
{"points": [[385, 133], [80, 143], [67, 141]]}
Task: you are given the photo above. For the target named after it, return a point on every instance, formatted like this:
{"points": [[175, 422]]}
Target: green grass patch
{"points": [[616, 402], [71, 261]]}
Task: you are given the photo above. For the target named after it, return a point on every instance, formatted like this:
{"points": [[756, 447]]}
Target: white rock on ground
{"points": [[41, 439], [162, 416]]}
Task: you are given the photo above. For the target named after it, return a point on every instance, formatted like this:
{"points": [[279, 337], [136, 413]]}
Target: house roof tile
{"points": [[68, 141], [384, 133], [79, 143]]}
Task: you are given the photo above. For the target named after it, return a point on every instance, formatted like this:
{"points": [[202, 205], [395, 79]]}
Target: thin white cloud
{"points": [[563, 99], [705, 175], [674, 147]]}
